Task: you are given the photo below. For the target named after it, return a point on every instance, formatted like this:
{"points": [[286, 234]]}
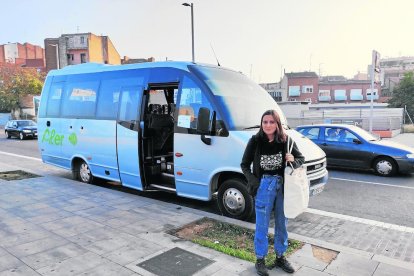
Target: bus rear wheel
{"points": [[83, 173], [234, 200]]}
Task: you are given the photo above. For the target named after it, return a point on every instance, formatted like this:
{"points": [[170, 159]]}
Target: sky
{"points": [[261, 38]]}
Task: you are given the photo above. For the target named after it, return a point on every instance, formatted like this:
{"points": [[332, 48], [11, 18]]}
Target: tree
{"points": [[403, 94], [16, 82]]}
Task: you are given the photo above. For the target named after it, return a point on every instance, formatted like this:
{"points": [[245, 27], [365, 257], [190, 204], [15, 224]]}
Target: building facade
{"points": [[25, 55], [71, 49], [274, 89], [392, 71], [308, 87]]}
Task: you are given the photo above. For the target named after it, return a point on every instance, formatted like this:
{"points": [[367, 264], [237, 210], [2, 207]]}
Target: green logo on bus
{"points": [[51, 137], [73, 139]]}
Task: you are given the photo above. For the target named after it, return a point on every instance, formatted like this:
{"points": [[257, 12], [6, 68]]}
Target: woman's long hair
{"points": [[280, 135]]}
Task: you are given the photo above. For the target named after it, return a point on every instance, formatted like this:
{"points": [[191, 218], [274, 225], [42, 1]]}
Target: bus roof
{"points": [[99, 67]]}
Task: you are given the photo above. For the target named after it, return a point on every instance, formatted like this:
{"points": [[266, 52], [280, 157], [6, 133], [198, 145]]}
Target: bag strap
{"points": [[289, 150]]}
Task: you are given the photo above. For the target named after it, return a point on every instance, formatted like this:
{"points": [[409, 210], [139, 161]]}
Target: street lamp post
{"points": [[57, 54], [192, 26]]}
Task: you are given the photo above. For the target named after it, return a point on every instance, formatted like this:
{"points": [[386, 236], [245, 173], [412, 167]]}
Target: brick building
{"points": [[70, 49], [309, 87], [26, 55]]}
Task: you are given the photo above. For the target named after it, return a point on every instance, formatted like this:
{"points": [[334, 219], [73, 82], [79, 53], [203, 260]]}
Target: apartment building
{"points": [[392, 71], [274, 89], [25, 55], [70, 49], [309, 87]]}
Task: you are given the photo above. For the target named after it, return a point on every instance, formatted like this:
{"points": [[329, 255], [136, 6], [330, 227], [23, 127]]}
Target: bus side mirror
{"points": [[203, 124], [203, 121]]}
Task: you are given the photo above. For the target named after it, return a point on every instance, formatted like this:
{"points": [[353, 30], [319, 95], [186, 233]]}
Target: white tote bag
{"points": [[296, 190]]}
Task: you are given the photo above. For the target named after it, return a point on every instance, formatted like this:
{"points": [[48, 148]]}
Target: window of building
{"points": [[340, 95], [307, 89], [70, 57], [83, 58], [375, 94], [324, 93], [294, 91], [82, 39], [356, 94]]}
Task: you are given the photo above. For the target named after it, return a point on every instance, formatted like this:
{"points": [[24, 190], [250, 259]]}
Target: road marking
{"points": [[21, 156], [362, 220], [373, 183]]}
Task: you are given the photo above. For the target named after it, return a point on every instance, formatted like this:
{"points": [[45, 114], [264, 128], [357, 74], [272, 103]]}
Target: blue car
{"points": [[348, 146]]}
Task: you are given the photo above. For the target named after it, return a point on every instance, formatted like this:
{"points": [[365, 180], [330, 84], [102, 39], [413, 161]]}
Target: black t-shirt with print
{"points": [[271, 158]]}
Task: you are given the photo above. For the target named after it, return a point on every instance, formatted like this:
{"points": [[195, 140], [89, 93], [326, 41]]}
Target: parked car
{"points": [[349, 146], [21, 129]]}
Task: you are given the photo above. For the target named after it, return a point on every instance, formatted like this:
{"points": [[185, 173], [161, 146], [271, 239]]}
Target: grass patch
{"points": [[16, 175], [229, 239]]}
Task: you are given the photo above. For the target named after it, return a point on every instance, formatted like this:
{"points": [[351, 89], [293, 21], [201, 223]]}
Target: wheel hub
{"points": [[384, 167], [84, 172], [234, 201]]}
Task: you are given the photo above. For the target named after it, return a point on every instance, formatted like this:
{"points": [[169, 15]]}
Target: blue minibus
{"points": [[175, 126]]}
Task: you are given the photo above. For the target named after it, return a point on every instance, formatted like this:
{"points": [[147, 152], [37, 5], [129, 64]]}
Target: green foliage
{"points": [[236, 241], [403, 94], [16, 82]]}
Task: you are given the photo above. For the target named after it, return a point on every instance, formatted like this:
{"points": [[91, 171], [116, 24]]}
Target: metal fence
{"points": [[383, 119]]}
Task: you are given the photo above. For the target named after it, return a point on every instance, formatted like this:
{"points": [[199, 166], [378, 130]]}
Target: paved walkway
{"points": [[55, 226]]}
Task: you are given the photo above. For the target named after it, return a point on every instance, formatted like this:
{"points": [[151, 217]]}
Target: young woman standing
{"points": [[267, 150]]}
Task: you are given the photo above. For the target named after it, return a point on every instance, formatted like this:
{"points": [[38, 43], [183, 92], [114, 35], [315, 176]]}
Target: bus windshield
{"points": [[242, 100]]}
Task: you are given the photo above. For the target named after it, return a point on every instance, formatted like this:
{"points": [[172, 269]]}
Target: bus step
{"points": [[162, 187]]}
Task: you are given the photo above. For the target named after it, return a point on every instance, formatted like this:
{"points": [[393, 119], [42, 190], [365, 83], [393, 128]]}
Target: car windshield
{"points": [[364, 134], [242, 100], [26, 123]]}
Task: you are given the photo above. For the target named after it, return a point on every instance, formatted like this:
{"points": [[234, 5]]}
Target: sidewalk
{"points": [[55, 226]]}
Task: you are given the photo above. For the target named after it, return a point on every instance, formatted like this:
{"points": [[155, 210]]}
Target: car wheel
{"points": [[83, 173], [234, 200], [8, 135], [385, 166], [21, 136]]}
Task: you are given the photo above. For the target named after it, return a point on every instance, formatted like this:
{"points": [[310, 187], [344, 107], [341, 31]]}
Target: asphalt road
{"points": [[357, 194]]}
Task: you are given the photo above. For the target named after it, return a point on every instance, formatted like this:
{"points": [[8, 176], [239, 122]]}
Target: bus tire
{"points": [[234, 200], [82, 172]]}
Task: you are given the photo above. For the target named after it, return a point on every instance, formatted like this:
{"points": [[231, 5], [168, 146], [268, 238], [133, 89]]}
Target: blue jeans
{"points": [[270, 196]]}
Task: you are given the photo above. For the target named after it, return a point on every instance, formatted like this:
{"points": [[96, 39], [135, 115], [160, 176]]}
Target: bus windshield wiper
{"points": [[256, 126]]}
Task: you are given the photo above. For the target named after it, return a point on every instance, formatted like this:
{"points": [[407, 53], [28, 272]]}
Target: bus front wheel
{"points": [[83, 173], [234, 200]]}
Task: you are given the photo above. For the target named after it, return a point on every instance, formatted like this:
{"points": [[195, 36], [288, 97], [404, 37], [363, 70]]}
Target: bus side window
{"points": [[108, 99], [128, 109], [55, 94], [79, 100]]}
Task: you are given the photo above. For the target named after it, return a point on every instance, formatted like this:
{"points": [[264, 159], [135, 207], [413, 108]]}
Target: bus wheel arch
{"points": [[233, 198], [81, 170]]}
